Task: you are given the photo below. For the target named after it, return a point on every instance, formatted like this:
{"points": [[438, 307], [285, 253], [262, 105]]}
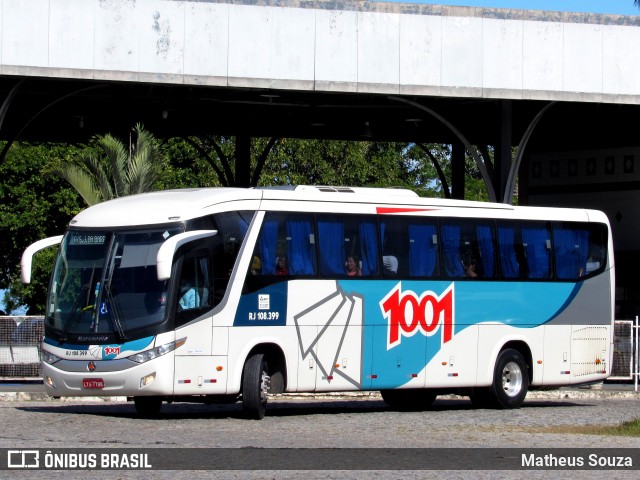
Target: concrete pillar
{"points": [[457, 170], [502, 160], [243, 161]]}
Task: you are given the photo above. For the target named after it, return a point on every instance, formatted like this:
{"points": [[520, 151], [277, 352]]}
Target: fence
{"points": [[20, 344], [625, 351], [21, 339]]}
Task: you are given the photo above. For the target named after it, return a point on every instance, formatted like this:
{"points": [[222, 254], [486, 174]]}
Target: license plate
{"points": [[92, 383]]}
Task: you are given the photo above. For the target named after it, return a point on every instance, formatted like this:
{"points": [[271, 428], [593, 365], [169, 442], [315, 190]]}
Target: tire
{"points": [[510, 379], [148, 406], [255, 386], [411, 399]]}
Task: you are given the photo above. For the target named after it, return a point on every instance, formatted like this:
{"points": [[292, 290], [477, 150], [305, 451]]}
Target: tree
{"points": [[108, 169], [32, 206], [221, 153], [325, 162]]}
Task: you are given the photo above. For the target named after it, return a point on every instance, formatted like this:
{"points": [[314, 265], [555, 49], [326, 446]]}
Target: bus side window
{"points": [[486, 250], [286, 246], [597, 259], [536, 241], [452, 253], [508, 248], [423, 248], [266, 253], [225, 245], [394, 240], [331, 244], [367, 245], [301, 245], [195, 286], [578, 249], [341, 237]]}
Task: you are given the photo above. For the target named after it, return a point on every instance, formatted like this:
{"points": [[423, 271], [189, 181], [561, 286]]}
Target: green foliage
{"points": [[32, 207], [197, 163], [109, 169], [374, 164], [33, 295], [187, 168], [630, 428]]}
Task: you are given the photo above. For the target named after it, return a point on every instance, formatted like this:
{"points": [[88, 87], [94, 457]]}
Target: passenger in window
{"points": [[353, 267], [592, 265], [256, 265], [390, 265], [189, 297], [282, 266], [470, 268]]}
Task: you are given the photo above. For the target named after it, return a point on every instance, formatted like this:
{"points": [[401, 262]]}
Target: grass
{"points": [[625, 429]]}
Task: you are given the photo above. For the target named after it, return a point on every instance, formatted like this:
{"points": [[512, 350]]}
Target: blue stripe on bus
{"points": [[519, 304], [133, 346], [512, 303]]}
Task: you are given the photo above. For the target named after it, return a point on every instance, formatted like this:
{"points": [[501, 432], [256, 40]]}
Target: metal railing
{"points": [[20, 347], [21, 339], [625, 351]]}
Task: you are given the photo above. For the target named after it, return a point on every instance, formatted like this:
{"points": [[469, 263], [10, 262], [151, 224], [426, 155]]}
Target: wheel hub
{"points": [[512, 379]]}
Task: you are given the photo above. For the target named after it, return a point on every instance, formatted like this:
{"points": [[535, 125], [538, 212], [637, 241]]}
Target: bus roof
{"points": [[161, 207], [170, 206]]}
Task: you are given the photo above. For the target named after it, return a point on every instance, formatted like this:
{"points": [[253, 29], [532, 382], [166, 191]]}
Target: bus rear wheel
{"points": [[411, 399], [255, 386], [510, 379], [147, 406]]}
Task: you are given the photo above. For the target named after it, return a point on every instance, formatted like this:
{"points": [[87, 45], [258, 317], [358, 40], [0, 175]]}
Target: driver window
{"points": [[195, 286]]}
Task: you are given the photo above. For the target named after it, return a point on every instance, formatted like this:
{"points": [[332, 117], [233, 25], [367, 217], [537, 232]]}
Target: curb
{"points": [[43, 397], [562, 393]]}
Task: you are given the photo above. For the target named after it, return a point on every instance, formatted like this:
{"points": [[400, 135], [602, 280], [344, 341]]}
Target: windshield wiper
{"points": [[75, 315], [107, 295], [115, 314]]}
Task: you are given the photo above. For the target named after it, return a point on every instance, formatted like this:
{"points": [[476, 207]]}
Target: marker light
{"points": [[49, 358], [49, 381], [144, 381], [147, 355]]}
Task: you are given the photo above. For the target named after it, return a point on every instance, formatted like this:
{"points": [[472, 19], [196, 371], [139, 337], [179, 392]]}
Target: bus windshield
{"points": [[105, 283]]}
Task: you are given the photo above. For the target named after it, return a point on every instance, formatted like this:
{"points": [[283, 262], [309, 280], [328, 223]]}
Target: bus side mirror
{"points": [[164, 259], [27, 256]]}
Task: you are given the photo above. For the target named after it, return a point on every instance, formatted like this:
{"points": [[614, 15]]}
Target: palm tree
{"points": [[117, 170], [636, 3]]}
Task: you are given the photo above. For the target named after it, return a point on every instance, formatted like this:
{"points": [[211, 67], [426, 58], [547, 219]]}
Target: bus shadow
{"points": [[281, 408]]}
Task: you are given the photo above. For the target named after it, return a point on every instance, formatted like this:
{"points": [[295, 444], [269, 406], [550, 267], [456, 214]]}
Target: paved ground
{"points": [[33, 420]]}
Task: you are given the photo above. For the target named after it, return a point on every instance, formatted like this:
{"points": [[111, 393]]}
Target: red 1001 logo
{"points": [[407, 314]]}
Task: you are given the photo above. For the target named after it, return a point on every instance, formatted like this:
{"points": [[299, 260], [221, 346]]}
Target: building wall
{"points": [[607, 180], [329, 46]]}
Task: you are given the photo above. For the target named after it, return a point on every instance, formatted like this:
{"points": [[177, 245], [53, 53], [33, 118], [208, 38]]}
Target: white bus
{"points": [[218, 295]]}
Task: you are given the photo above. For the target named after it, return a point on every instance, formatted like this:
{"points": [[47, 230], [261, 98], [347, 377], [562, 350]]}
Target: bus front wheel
{"points": [[255, 386], [510, 379]]}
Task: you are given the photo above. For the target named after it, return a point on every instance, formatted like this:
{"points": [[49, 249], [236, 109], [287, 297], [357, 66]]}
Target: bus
{"points": [[226, 294]]}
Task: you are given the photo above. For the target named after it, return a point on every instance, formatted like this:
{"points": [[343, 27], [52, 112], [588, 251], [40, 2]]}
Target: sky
{"points": [[616, 7]]}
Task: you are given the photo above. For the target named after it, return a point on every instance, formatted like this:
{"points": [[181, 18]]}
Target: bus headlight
{"points": [[147, 355], [49, 358]]}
